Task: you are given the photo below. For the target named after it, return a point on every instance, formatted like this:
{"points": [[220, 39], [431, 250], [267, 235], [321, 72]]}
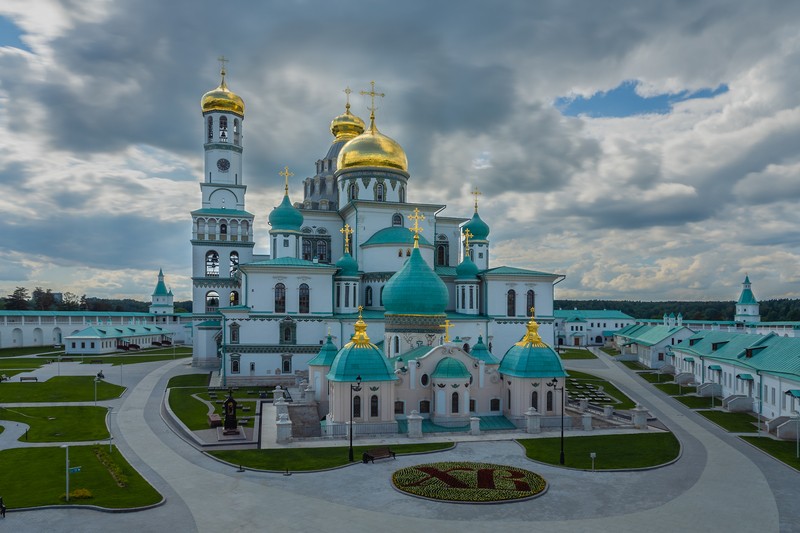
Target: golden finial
{"points": [[475, 192], [467, 235], [416, 217], [447, 325], [532, 337], [285, 173], [360, 338], [347, 91], [346, 231], [371, 93]]}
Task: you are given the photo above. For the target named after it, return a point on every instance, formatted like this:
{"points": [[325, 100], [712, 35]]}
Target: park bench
{"points": [[377, 453], [28, 378], [214, 420]]}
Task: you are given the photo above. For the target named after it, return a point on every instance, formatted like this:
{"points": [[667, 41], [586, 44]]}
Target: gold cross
{"points": [[533, 312], [467, 235], [285, 173], [371, 93], [347, 91], [360, 309], [447, 325], [476, 193], [346, 231], [222, 62], [416, 217]]}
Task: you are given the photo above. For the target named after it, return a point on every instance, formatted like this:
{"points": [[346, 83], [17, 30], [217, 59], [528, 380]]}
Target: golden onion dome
{"points": [[346, 126], [222, 99], [372, 149]]}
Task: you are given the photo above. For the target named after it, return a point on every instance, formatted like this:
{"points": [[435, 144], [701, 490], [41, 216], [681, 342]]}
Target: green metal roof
{"points": [[793, 392], [531, 361], [591, 314], [714, 367], [478, 228], [481, 352], [347, 265], [118, 332], [413, 354], [286, 216], [650, 335], [747, 298], [513, 271], [161, 288], [365, 361], [415, 289], [450, 368], [746, 377], [689, 359], [215, 212], [326, 354], [445, 270], [397, 235], [467, 270]]}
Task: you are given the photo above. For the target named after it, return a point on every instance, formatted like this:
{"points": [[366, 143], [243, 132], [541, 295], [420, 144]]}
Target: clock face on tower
{"points": [[223, 165]]}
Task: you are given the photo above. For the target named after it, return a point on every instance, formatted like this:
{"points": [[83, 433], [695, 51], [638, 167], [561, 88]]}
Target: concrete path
{"points": [[719, 484]]}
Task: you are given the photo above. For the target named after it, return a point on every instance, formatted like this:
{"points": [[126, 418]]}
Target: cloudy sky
{"points": [[646, 150]]}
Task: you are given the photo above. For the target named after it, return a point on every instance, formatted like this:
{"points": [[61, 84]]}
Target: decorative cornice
{"points": [[223, 146], [223, 244]]}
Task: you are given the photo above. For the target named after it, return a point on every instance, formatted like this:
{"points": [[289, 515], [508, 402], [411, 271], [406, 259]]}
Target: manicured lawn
{"points": [[733, 422], [189, 380], [634, 450], [117, 360], [655, 377], [32, 350], [696, 402], [576, 354], [610, 351], [634, 365], [21, 362], [192, 412], [781, 450], [59, 389], [608, 388], [673, 389], [40, 478], [60, 424], [299, 459]]}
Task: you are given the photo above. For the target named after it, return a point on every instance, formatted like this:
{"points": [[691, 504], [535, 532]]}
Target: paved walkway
{"points": [[718, 484]]}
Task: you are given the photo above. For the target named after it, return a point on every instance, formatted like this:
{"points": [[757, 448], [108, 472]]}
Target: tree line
{"points": [[784, 309], [47, 300]]}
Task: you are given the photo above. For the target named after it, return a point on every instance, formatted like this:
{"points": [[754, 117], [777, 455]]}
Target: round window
{"points": [[424, 380]]}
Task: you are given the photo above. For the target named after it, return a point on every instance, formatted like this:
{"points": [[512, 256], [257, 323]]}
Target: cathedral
{"points": [[357, 266]]}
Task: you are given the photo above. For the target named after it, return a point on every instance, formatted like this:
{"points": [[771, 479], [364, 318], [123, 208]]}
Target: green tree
{"points": [[18, 300]]}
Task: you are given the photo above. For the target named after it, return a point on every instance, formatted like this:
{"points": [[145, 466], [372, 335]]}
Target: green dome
{"points": [[415, 289], [397, 235], [347, 265], [326, 354], [450, 368], [532, 358], [359, 357], [467, 269], [481, 352], [285, 216], [478, 228], [161, 287]]}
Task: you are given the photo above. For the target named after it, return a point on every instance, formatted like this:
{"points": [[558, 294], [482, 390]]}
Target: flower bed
{"points": [[469, 482]]}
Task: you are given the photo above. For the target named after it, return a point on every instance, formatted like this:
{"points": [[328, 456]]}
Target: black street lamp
{"points": [[554, 385], [356, 388]]}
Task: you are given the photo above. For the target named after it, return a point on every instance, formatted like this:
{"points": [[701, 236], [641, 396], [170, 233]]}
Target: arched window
{"points": [[424, 406], [212, 264], [399, 407], [210, 129], [549, 401], [234, 262], [347, 295], [471, 300], [509, 398], [379, 193], [368, 297], [530, 302], [322, 251], [396, 344], [234, 299], [511, 303], [236, 138], [212, 301], [223, 229], [466, 349], [454, 403], [234, 366], [408, 252], [494, 404], [287, 366], [472, 254], [373, 406], [352, 191], [441, 255], [304, 298], [401, 194], [307, 250], [397, 219], [463, 295], [338, 295], [234, 334], [535, 400], [400, 252], [280, 298], [223, 129], [357, 407], [381, 295]]}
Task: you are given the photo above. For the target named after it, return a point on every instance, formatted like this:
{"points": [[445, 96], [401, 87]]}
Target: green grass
{"points": [[189, 380], [696, 402], [60, 424], [31, 350], [608, 388], [59, 389], [733, 422], [610, 351], [192, 412], [40, 480], [22, 362], [655, 377], [576, 354], [782, 450], [299, 459], [634, 365], [673, 389], [117, 360], [634, 450]]}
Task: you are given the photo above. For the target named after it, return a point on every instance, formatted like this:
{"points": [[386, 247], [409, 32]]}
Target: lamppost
{"points": [[797, 432], [95, 391], [353, 388], [554, 385], [66, 470]]}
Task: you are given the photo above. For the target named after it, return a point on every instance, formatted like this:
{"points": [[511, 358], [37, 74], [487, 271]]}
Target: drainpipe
{"points": [[224, 368], [354, 246]]}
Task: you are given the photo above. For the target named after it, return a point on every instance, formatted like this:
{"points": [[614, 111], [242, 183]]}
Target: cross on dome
{"points": [[222, 62], [475, 192], [347, 91], [416, 217], [285, 173], [447, 325], [372, 94], [347, 231]]}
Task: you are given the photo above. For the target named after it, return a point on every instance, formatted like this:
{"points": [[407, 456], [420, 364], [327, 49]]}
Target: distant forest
{"points": [[47, 300], [771, 310]]}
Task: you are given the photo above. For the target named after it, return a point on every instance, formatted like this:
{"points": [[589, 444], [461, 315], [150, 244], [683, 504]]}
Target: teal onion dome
{"points": [[467, 269], [481, 352], [347, 265], [326, 354], [478, 228], [415, 289], [531, 357], [360, 358], [286, 216]]}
